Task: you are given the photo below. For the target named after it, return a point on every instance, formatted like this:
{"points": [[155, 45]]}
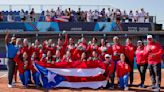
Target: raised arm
{"points": [[7, 38]]}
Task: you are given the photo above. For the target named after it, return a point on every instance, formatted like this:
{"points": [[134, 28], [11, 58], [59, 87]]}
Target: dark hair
{"points": [[129, 38], [127, 61]]}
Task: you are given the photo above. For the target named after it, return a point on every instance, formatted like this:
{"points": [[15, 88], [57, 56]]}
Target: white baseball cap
{"points": [[107, 55], [139, 41], [149, 36], [115, 37]]}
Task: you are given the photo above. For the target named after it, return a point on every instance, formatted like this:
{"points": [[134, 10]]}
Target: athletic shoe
{"points": [[126, 88], [10, 86], [111, 87]]}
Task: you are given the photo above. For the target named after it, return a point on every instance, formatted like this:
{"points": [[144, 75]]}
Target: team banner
{"points": [[72, 74], [76, 26]]}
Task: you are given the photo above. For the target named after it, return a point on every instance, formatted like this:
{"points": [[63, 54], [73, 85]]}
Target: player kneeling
{"points": [[109, 71], [123, 70], [35, 74], [23, 63]]}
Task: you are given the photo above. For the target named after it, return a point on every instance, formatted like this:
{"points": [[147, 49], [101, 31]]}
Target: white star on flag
{"points": [[51, 77]]}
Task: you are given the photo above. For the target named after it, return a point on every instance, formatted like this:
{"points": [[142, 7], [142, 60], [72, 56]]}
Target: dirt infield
{"points": [[135, 88]]}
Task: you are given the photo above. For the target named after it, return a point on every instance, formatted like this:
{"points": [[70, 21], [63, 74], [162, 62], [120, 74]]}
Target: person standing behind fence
{"points": [[1, 17], [141, 17], [32, 15], [11, 51], [129, 52], [130, 16], [141, 61], [154, 53]]}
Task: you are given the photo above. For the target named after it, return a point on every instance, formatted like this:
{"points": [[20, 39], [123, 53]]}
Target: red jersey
{"points": [[109, 67], [22, 65], [117, 49], [154, 53], [122, 68], [26, 49], [32, 66], [140, 57], [91, 48], [129, 51]]}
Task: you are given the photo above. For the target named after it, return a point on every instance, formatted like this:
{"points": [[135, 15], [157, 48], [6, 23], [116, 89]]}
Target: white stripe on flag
{"points": [[77, 71], [93, 85]]}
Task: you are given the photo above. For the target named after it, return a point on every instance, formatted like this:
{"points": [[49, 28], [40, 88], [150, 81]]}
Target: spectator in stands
{"points": [[22, 15], [89, 16], [118, 14], [136, 17], [10, 17], [79, 15], [32, 15], [1, 17], [141, 17], [48, 16], [95, 16], [108, 15], [112, 15], [52, 13], [124, 16], [58, 12], [130, 16], [102, 15], [147, 17]]}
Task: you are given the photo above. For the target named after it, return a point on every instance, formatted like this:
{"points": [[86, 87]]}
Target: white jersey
{"points": [[58, 12], [95, 15], [109, 14], [9, 18], [136, 17], [130, 16], [89, 16], [141, 17]]}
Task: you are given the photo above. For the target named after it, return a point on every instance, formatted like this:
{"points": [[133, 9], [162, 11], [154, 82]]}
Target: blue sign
{"points": [[106, 26], [42, 26]]}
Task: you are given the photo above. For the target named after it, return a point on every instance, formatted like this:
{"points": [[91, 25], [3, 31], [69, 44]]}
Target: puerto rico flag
{"points": [[72, 74]]}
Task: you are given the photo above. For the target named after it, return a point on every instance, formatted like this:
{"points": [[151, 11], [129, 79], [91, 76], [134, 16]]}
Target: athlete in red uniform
{"points": [[129, 52], [141, 61], [154, 53], [23, 62]]}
